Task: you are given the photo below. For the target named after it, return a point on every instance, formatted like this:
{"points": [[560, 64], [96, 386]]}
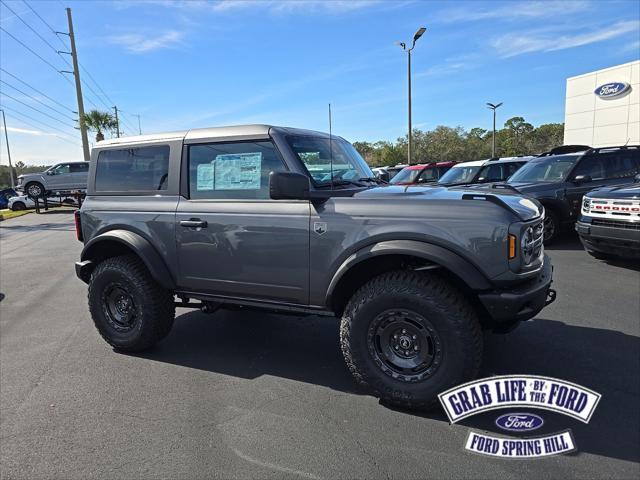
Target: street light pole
{"points": [[403, 45], [493, 107]]}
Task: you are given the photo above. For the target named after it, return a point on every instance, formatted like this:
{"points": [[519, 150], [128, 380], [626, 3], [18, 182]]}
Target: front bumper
{"points": [[609, 240], [506, 307]]}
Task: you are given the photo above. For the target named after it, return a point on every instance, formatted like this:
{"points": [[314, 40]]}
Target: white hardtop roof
{"points": [[241, 131], [472, 163]]}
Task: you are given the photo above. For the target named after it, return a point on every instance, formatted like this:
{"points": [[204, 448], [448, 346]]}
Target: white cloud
{"points": [[515, 10], [138, 43], [512, 44], [273, 6]]}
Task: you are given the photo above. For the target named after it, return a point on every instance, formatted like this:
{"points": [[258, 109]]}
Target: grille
{"points": [[604, 222]]}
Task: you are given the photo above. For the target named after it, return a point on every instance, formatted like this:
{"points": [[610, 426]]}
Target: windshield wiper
{"points": [[341, 182], [376, 180]]}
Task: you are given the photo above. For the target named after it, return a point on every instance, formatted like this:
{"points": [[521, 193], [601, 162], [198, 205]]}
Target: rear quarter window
{"points": [[133, 169]]}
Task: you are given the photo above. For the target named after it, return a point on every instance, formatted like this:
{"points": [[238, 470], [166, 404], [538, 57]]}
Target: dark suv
{"points": [[292, 221], [560, 181]]}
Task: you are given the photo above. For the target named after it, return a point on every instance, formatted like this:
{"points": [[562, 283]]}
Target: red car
{"points": [[419, 174]]}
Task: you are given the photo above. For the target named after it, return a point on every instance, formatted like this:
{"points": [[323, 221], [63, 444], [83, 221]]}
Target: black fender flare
{"points": [[440, 256], [559, 207], [140, 246]]}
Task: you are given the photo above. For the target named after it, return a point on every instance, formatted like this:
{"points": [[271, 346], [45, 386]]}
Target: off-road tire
{"points": [[445, 307], [154, 305], [17, 206], [551, 226], [29, 186]]}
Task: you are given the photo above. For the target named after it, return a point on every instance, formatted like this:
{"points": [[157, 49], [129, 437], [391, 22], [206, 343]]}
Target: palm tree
{"points": [[98, 122]]}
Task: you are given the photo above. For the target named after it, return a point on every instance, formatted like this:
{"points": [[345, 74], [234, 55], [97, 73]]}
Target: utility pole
{"points": [[403, 45], [115, 109], [139, 129], [76, 74], [6, 136], [493, 107]]}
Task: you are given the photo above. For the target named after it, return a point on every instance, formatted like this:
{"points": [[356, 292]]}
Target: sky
{"points": [[190, 64]]}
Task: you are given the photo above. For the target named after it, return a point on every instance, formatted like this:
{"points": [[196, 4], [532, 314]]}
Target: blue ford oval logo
{"points": [[613, 89], [519, 422]]}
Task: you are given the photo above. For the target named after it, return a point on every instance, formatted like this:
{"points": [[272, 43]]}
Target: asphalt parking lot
{"points": [[251, 395]]}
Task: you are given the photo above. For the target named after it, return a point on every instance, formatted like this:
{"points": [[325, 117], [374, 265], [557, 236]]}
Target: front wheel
{"points": [[409, 336], [551, 227], [130, 310], [18, 206]]}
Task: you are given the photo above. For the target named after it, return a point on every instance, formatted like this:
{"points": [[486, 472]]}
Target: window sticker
{"points": [[205, 177], [238, 171]]}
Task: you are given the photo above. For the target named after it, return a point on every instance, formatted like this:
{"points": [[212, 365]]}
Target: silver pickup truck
{"points": [[62, 177], [294, 221]]}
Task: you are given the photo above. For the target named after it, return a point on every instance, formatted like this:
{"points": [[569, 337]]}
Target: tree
{"points": [[98, 122]]}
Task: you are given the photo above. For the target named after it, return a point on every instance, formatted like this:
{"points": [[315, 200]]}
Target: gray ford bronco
{"points": [[294, 221]]}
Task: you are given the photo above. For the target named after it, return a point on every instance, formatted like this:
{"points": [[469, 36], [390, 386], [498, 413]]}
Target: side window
{"points": [[237, 171], [492, 173], [623, 163], [594, 166], [61, 169], [428, 174], [511, 168], [133, 169], [79, 167]]}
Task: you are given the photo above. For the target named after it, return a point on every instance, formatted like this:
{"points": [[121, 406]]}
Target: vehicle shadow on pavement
{"points": [[565, 241], [39, 227], [250, 344]]}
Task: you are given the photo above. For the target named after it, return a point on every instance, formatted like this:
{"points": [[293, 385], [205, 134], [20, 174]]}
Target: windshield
{"points": [[406, 175], [547, 169], [459, 174], [316, 154]]}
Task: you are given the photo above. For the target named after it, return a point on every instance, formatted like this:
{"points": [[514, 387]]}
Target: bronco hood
{"points": [[524, 208]]}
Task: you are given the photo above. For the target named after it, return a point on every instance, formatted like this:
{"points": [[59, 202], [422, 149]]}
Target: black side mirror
{"points": [[50, 172], [288, 186], [582, 179]]}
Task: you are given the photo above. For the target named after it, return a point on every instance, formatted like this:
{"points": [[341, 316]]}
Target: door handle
{"points": [[193, 223]]}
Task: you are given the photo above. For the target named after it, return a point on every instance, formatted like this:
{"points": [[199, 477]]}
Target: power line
{"points": [[16, 112], [47, 24], [34, 108], [36, 90], [38, 100], [36, 54], [60, 55]]}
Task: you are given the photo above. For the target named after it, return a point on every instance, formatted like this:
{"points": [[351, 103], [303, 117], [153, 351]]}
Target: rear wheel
{"points": [[410, 336], [130, 310], [18, 206], [34, 189]]}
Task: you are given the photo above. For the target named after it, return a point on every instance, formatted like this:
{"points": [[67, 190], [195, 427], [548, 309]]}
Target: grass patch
{"points": [[7, 214]]}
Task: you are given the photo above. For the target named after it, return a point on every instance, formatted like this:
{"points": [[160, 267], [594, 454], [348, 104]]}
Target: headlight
{"points": [[586, 205], [527, 245]]}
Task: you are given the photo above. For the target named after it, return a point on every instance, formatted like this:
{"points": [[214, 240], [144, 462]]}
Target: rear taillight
{"points": [[78, 226]]}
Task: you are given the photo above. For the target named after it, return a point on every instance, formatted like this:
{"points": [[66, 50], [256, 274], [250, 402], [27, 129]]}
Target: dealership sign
{"points": [[610, 90]]}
